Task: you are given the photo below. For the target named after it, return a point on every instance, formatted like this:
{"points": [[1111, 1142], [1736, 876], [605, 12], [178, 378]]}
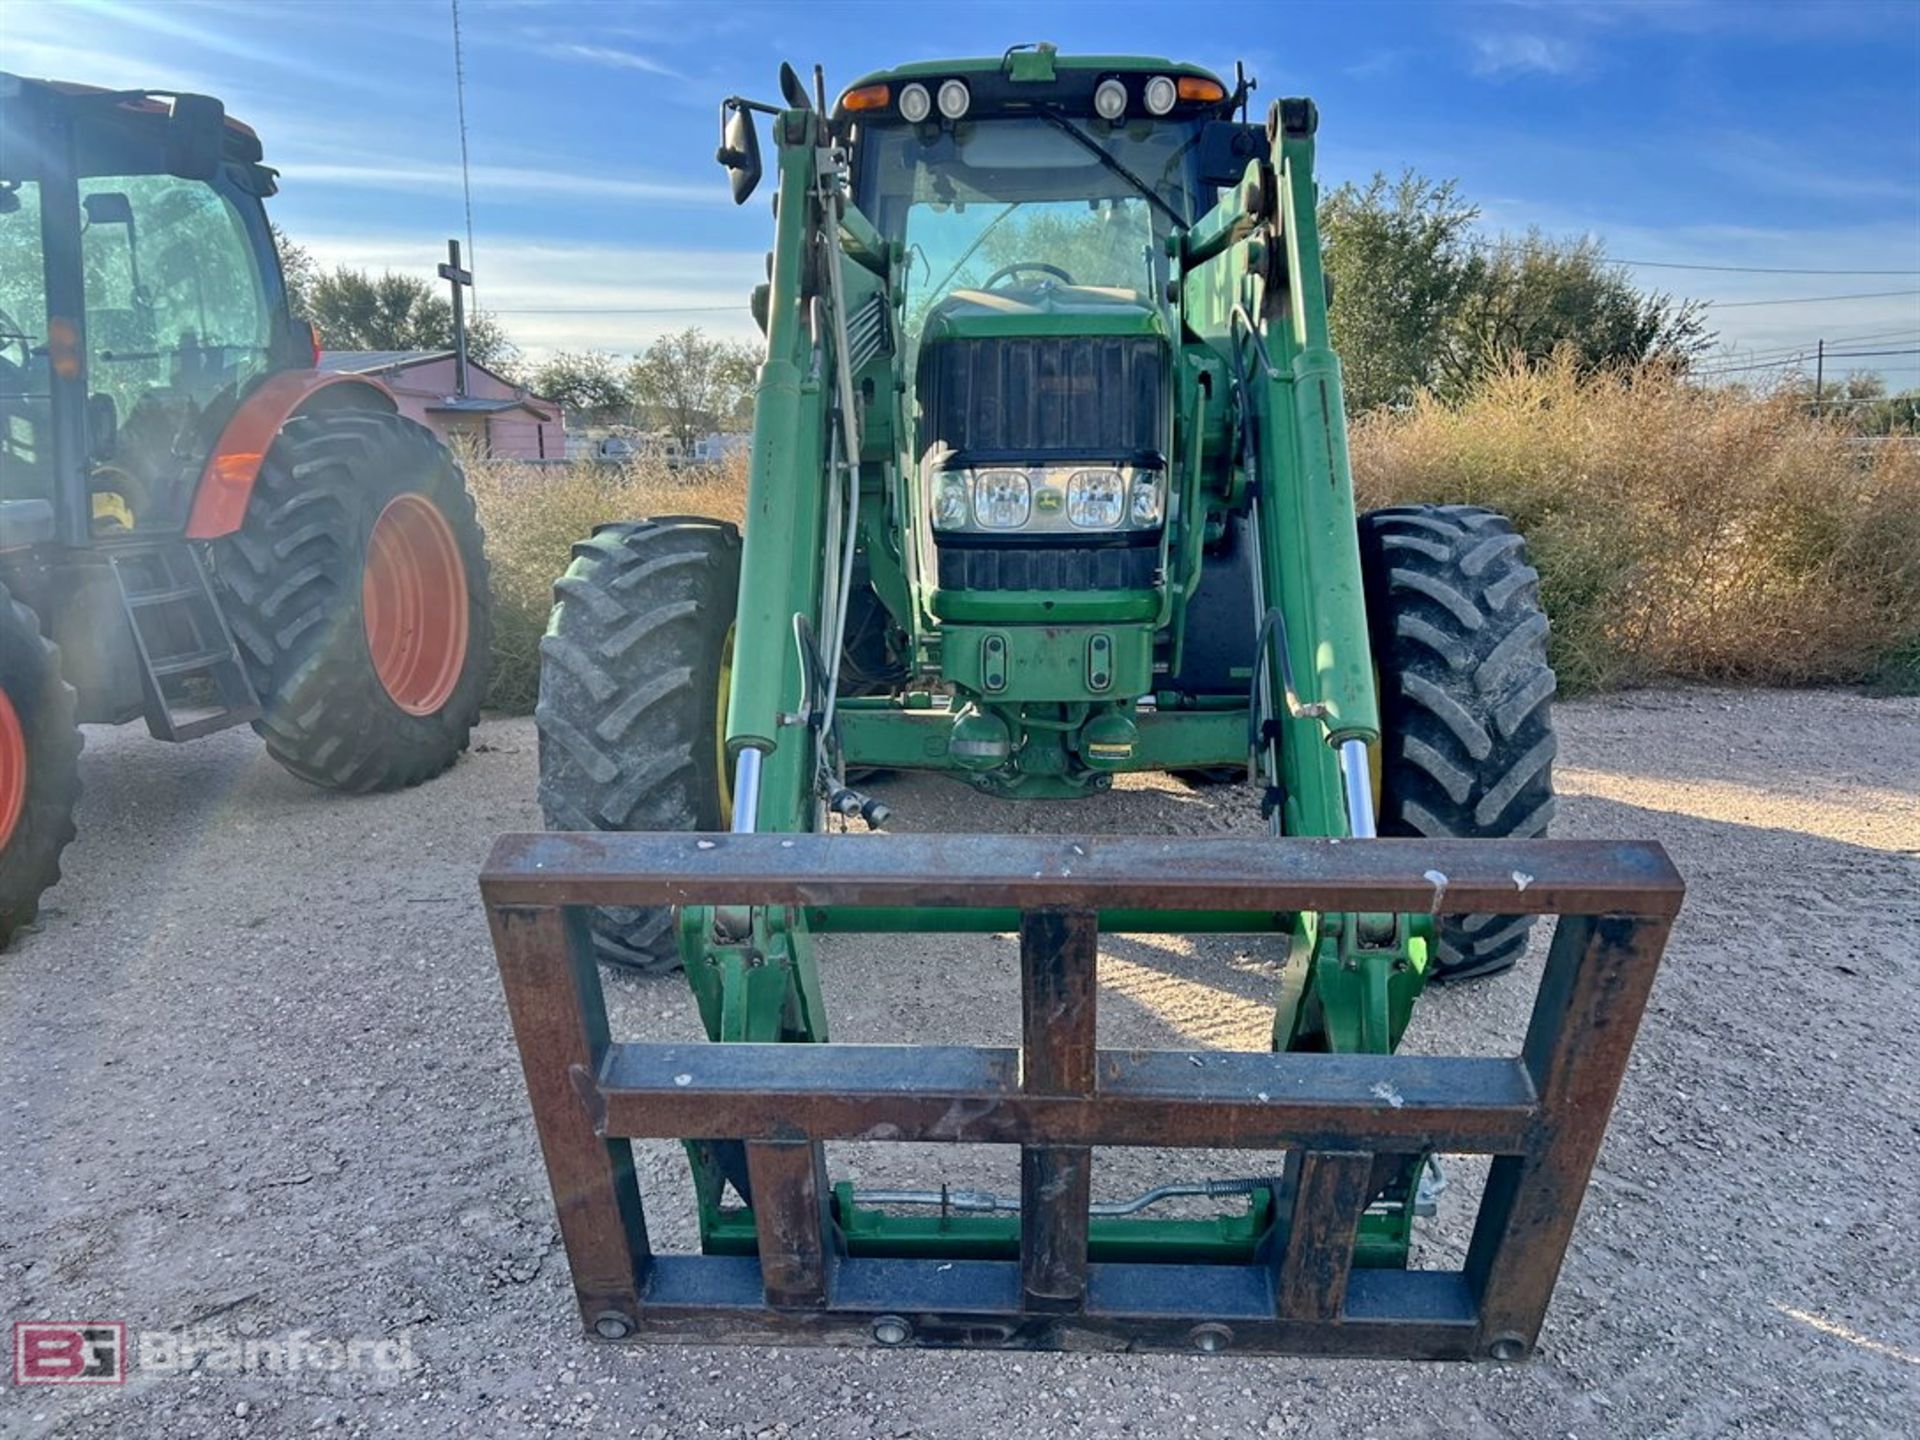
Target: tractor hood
{"points": [[1043, 372], [1044, 309], [1044, 426]]}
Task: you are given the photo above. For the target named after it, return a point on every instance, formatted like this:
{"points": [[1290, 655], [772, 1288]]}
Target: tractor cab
{"points": [[1036, 199], [140, 299], [1038, 204]]}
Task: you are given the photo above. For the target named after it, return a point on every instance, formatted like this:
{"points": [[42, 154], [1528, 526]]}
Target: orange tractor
{"points": [[197, 525]]}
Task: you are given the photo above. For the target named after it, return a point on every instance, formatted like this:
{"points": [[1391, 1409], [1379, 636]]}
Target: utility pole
{"points": [[458, 280], [1819, 371]]}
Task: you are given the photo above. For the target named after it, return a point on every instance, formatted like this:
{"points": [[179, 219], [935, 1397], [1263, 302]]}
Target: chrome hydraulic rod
{"points": [[1358, 775], [746, 791]]}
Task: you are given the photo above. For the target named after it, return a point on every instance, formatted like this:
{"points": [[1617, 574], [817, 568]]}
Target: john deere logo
{"points": [[1048, 502]]}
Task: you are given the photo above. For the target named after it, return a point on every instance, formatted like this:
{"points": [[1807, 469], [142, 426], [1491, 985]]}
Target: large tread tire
{"points": [[42, 706], [292, 577], [1460, 641], [629, 715]]}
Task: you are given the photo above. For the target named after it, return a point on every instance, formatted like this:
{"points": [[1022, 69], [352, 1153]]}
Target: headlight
{"points": [[1041, 500], [1002, 499], [1096, 499], [954, 98], [915, 104], [1110, 100], [1160, 95], [1146, 508], [951, 508]]}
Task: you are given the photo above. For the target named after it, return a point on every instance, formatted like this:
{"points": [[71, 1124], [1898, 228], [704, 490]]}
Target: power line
{"points": [[1679, 265], [1807, 299], [466, 176], [598, 310], [1796, 359], [1862, 354], [1754, 269], [1799, 346], [1785, 355]]}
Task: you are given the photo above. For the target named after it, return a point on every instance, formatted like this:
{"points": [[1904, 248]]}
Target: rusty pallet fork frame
{"points": [[1542, 1114]]}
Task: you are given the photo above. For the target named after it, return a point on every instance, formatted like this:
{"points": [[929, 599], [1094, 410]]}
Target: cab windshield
{"points": [[1017, 203]]}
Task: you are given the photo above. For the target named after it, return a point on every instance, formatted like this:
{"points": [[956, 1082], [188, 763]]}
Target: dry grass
{"points": [[1680, 533], [533, 514]]}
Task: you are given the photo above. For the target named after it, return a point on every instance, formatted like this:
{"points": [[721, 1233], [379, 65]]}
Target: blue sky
{"points": [[1754, 134]]}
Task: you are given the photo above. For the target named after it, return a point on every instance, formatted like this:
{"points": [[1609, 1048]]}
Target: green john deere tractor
{"points": [[199, 526], [1049, 484]]}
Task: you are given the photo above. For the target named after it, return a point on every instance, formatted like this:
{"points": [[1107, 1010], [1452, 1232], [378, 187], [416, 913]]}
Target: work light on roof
{"points": [[1110, 99], [954, 98], [916, 104], [1160, 95]]}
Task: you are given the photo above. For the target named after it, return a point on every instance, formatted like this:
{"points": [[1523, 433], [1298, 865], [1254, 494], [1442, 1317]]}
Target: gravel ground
{"points": [[257, 1080]]}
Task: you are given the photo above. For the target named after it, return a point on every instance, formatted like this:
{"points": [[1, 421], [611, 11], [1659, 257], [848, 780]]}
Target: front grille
{"points": [[1034, 567], [1081, 395]]}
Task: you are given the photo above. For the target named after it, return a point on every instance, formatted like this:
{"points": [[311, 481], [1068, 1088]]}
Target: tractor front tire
{"points": [[633, 673], [357, 589], [39, 765], [1467, 744]]}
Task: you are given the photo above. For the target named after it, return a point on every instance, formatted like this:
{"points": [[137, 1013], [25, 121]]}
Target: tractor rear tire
{"points": [[39, 765], [632, 696], [1460, 642], [357, 590]]}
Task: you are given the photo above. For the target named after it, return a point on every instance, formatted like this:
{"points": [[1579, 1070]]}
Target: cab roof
{"points": [[1033, 76], [1022, 57], [243, 142]]}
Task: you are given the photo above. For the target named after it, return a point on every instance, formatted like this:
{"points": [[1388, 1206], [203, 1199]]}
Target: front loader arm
{"points": [[780, 569]]}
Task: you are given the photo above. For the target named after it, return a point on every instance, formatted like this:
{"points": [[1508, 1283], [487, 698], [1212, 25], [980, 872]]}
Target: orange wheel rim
{"points": [[13, 769], [414, 598]]}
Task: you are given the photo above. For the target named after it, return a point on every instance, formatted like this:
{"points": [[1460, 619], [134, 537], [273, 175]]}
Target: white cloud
{"points": [[493, 182], [1513, 54], [607, 55]]}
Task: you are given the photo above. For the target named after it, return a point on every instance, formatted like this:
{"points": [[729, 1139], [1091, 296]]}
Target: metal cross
{"points": [[456, 277]]}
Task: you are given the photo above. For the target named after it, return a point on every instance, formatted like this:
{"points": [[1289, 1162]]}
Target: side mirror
{"points": [[196, 137], [739, 149]]}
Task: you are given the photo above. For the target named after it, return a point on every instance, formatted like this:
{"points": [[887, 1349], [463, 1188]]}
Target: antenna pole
{"points": [[466, 177]]}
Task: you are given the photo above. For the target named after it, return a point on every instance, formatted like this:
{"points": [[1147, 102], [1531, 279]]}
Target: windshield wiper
{"points": [[1113, 163]]}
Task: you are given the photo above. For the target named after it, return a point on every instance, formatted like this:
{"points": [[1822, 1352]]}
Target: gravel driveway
{"points": [[256, 1079]]}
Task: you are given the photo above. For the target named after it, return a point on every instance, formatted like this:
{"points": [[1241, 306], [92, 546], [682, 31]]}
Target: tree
{"points": [[1423, 305], [1531, 297], [690, 383], [297, 269], [354, 310], [1401, 259], [587, 383]]}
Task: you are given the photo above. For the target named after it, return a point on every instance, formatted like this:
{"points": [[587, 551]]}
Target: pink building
{"points": [[495, 417]]}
